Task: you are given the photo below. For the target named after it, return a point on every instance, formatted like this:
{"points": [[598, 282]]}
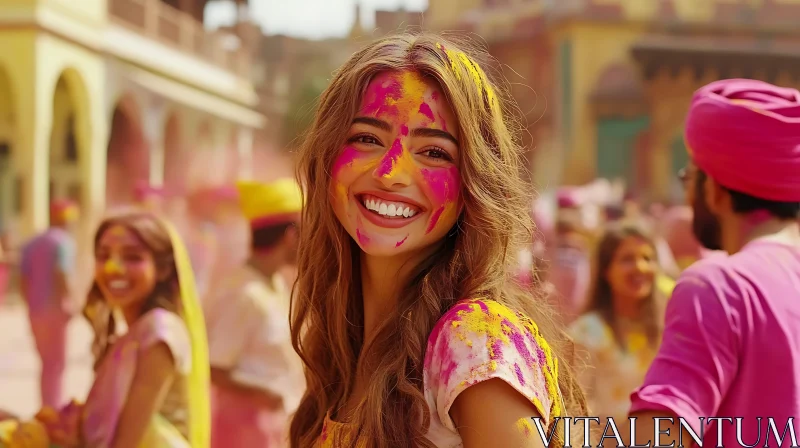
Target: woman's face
{"points": [[125, 270], [631, 274], [396, 183]]}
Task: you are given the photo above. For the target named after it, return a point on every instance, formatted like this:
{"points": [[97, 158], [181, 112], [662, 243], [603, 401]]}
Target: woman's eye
{"points": [[367, 139], [132, 258], [437, 153]]}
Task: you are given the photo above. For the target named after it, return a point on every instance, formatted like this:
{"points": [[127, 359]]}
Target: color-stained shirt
{"points": [[731, 346], [41, 258], [613, 372], [475, 341], [571, 275]]}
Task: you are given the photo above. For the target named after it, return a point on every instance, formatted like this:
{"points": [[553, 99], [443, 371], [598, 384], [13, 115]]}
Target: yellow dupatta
{"points": [[198, 382]]}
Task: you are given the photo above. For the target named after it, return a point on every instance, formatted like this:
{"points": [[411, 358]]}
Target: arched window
{"points": [[71, 146]]}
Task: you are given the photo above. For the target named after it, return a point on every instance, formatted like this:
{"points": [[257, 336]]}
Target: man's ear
{"points": [[291, 235], [717, 197]]}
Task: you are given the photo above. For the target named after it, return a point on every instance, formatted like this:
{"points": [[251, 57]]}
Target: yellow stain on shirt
{"points": [[498, 323]]}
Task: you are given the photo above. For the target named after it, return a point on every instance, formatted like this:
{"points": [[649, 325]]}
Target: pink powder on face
{"points": [[425, 110], [389, 160], [399, 243], [346, 158], [362, 239], [378, 98], [435, 219], [444, 185]]}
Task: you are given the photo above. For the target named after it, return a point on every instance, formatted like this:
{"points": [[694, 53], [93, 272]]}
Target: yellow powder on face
{"points": [[113, 266], [412, 88]]}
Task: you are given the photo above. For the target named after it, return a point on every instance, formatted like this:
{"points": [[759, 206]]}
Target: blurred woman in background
{"points": [[622, 331]]}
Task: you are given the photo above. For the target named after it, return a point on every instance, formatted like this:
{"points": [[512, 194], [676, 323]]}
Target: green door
{"points": [[679, 155], [616, 147]]}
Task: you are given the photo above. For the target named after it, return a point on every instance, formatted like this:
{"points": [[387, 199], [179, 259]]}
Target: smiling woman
{"points": [[399, 167], [151, 381], [407, 316]]}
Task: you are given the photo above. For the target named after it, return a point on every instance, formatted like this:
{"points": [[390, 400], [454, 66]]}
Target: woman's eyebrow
{"points": [[372, 121], [437, 133], [418, 132]]}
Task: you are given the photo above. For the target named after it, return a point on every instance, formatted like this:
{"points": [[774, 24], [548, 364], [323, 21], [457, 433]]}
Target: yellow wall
{"points": [[34, 62], [594, 48]]}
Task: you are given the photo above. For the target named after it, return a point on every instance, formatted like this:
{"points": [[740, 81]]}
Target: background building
{"points": [[291, 73], [605, 84], [96, 95]]}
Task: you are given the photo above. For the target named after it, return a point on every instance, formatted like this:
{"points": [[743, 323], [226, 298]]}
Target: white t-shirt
{"points": [[248, 334]]}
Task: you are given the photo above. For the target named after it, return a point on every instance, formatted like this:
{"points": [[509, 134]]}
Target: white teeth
{"points": [[118, 284], [388, 209]]}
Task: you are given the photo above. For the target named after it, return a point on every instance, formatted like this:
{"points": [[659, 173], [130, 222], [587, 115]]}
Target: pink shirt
{"points": [[731, 347]]}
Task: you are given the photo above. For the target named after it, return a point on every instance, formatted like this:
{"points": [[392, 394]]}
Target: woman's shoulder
{"points": [[483, 316], [479, 339], [163, 326]]}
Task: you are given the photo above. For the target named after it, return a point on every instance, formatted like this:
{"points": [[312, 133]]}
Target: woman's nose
{"points": [[113, 266], [394, 169]]}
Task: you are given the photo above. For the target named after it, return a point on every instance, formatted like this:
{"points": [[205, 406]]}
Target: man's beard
{"points": [[705, 225]]}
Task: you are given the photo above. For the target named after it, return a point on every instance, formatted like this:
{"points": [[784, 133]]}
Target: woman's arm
{"points": [[155, 371], [492, 413]]}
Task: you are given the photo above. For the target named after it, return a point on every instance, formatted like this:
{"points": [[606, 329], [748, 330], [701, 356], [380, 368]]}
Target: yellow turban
{"points": [[273, 203]]}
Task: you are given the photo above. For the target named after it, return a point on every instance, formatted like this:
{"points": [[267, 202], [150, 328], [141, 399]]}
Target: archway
{"points": [[128, 161], [175, 159], [68, 137], [10, 203]]}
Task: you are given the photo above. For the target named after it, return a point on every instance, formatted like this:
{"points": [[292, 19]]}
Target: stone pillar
{"points": [[245, 149], [153, 127], [31, 154]]}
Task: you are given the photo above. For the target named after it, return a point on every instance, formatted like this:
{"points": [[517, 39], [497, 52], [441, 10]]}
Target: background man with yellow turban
{"points": [[730, 343], [256, 375], [47, 266]]}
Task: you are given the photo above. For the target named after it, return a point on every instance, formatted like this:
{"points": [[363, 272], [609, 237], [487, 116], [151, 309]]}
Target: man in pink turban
{"points": [[730, 342]]}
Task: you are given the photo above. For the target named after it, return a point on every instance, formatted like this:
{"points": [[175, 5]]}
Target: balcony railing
{"points": [[179, 30]]}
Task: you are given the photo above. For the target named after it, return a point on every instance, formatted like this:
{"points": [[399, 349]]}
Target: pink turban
{"points": [[568, 197], [143, 191], [745, 134]]}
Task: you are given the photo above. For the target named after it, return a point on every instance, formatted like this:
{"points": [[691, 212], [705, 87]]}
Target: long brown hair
{"points": [[601, 297], [165, 294], [475, 260]]}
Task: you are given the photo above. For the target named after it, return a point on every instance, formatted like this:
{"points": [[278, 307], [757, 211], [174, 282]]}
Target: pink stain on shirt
{"points": [[719, 357]]}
